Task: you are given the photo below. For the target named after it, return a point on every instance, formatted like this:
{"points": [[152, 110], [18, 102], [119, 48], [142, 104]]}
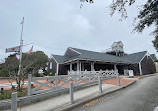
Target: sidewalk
{"points": [[79, 95]]}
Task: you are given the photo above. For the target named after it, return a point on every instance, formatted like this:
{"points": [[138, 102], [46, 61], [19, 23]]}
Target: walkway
{"points": [[79, 95]]}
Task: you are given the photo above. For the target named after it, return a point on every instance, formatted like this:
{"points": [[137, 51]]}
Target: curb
{"points": [[148, 75], [93, 98]]}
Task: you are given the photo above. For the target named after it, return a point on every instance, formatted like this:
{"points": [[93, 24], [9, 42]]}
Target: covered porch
{"points": [[88, 65]]}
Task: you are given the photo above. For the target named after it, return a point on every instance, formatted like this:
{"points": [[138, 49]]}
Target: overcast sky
{"points": [[54, 25]]}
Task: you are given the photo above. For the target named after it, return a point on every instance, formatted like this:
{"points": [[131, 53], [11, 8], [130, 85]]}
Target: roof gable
{"points": [[117, 43], [153, 57], [59, 58], [70, 52], [135, 57]]}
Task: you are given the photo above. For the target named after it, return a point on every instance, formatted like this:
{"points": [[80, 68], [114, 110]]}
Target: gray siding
{"points": [[148, 66], [135, 68], [54, 65], [63, 69]]}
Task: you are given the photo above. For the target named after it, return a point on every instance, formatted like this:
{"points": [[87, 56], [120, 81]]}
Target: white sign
{"points": [[131, 73], [13, 49]]}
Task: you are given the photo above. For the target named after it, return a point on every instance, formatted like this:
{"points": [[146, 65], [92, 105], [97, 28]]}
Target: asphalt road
{"points": [[142, 96]]}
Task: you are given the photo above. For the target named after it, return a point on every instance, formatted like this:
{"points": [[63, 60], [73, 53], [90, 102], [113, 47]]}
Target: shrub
{"points": [[4, 73], [8, 94]]}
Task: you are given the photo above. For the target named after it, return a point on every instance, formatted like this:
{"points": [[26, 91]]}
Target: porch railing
{"points": [[101, 73]]}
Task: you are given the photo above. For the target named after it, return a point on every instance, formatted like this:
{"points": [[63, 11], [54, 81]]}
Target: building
{"points": [[80, 60], [153, 56]]}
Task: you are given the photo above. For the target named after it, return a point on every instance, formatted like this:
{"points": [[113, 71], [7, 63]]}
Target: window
{"points": [[50, 65]]}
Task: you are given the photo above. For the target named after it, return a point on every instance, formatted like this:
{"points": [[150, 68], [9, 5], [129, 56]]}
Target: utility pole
{"points": [[21, 45]]}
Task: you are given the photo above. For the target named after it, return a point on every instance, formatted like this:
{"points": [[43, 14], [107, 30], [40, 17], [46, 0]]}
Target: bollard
{"points": [[56, 80], [100, 84], [118, 80], [2, 90], [14, 102], [71, 93], [29, 85]]}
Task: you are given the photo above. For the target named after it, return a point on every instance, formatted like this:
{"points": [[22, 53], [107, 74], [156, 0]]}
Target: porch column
{"points": [[140, 69], [70, 66], [77, 66], [92, 66], [57, 69], [115, 68], [82, 68]]}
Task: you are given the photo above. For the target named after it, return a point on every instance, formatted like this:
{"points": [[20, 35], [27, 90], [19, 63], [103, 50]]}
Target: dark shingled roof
{"points": [[135, 57], [60, 58], [153, 56], [85, 54]]}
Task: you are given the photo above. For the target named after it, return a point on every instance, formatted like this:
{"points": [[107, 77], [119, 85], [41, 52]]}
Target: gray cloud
{"points": [[54, 25]]}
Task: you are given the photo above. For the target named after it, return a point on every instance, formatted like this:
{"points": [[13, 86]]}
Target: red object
{"points": [[31, 50], [17, 56]]}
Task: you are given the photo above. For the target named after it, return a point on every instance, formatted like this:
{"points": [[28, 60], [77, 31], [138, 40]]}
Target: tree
{"points": [[148, 15], [31, 63], [4, 73]]}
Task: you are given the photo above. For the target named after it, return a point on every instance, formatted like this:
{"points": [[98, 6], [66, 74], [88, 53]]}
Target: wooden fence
{"points": [[57, 83]]}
